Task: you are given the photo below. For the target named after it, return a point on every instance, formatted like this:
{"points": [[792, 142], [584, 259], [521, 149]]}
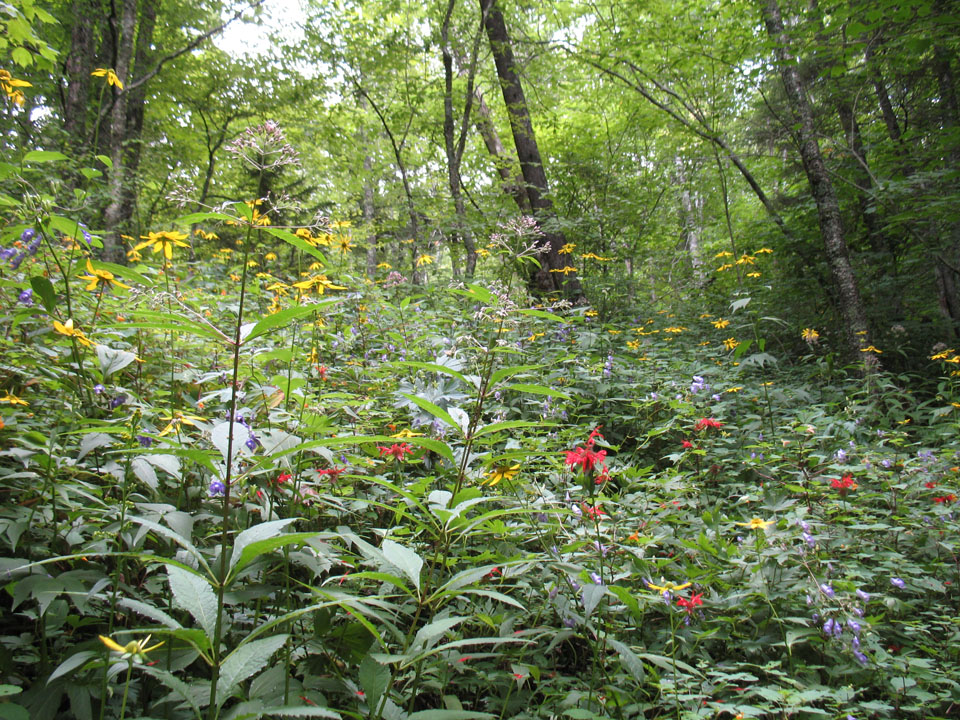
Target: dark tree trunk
{"points": [[847, 293], [79, 65], [531, 165], [491, 138], [866, 201]]}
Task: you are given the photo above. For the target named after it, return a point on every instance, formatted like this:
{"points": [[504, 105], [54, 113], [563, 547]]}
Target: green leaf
{"points": [[667, 664], [630, 661], [186, 692], [409, 563], [112, 361], [289, 711], [437, 446], [742, 348], [254, 534], [105, 160], [42, 156], [510, 425], [297, 242], [260, 547], [44, 288], [433, 367], [180, 540], [271, 322], [542, 314], [194, 594], [374, 679], [243, 662], [72, 663], [537, 390], [434, 410], [194, 218], [449, 715], [148, 611]]}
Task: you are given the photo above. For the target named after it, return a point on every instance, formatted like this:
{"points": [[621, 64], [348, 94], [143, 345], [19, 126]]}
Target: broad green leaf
{"points": [[437, 446], [122, 271], [105, 159], [193, 593], [505, 372], [403, 558], [537, 390], [666, 663], [428, 633], [449, 715], [260, 547], [249, 658], [297, 242], [261, 531], [169, 534], [374, 679], [437, 412], [44, 288], [43, 156], [542, 314], [629, 659], [510, 425], [742, 348], [186, 692], [271, 322], [112, 361], [72, 663], [148, 611]]}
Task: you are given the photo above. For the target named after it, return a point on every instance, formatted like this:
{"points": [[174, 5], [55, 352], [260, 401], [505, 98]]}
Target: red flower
{"points": [[945, 499], [283, 477], [695, 601], [930, 484], [687, 444], [397, 450], [586, 458], [594, 434], [333, 473], [844, 484], [705, 423], [594, 511], [323, 373]]}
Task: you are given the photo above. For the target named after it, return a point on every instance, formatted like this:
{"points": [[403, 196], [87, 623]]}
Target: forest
{"points": [[474, 360]]}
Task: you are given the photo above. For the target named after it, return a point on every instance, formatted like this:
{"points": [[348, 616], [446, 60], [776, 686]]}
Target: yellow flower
{"points": [[384, 266], [810, 335], [871, 348], [753, 274], [135, 649], [111, 76], [406, 433], [720, 324], [178, 419], [566, 249], [70, 331], [483, 252], [9, 85], [746, 260], [565, 270], [735, 388], [726, 266], [270, 256], [668, 587], [594, 256], [424, 260], [633, 344], [97, 277], [941, 355], [676, 330], [259, 218], [730, 343], [591, 313], [12, 399], [252, 263], [501, 472], [756, 524], [318, 283], [343, 244], [723, 254], [164, 241], [764, 250]]}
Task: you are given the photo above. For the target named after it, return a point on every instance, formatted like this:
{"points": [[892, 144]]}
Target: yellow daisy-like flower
{"points": [[69, 330], [178, 419], [567, 249], [344, 244], [723, 254], [594, 256], [810, 335], [753, 274], [135, 649], [735, 388], [134, 255], [319, 283], [871, 348], [723, 267], [565, 270], [676, 330], [424, 260], [111, 76], [10, 85], [764, 250], [668, 587], [95, 278], [270, 256], [591, 313], [12, 399], [756, 524], [406, 433], [483, 252], [746, 260], [501, 472], [730, 343], [384, 266], [633, 344], [720, 324], [164, 241]]}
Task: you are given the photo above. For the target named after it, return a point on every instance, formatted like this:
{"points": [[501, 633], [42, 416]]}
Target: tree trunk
{"points": [[491, 138], [531, 165], [848, 298], [689, 224], [114, 214], [454, 150], [79, 65]]}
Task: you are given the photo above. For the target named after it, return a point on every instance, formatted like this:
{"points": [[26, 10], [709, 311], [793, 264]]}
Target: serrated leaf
{"points": [[261, 547], [374, 679], [193, 593], [537, 390], [148, 611], [276, 320], [254, 534], [243, 662], [409, 563], [631, 662], [145, 472], [112, 360]]}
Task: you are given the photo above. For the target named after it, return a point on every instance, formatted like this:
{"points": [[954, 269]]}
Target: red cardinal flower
{"points": [[397, 450], [705, 423], [695, 601]]}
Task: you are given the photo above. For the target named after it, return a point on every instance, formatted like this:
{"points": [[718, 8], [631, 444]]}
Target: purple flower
{"points": [[865, 596], [98, 389], [597, 580], [887, 463], [26, 297], [898, 583], [854, 626], [144, 441], [7, 253], [828, 626], [216, 489], [809, 539], [569, 622], [252, 442], [118, 401], [841, 455], [27, 235], [826, 590], [861, 658]]}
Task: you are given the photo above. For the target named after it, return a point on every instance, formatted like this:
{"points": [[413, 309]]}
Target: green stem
{"points": [[126, 690]]}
